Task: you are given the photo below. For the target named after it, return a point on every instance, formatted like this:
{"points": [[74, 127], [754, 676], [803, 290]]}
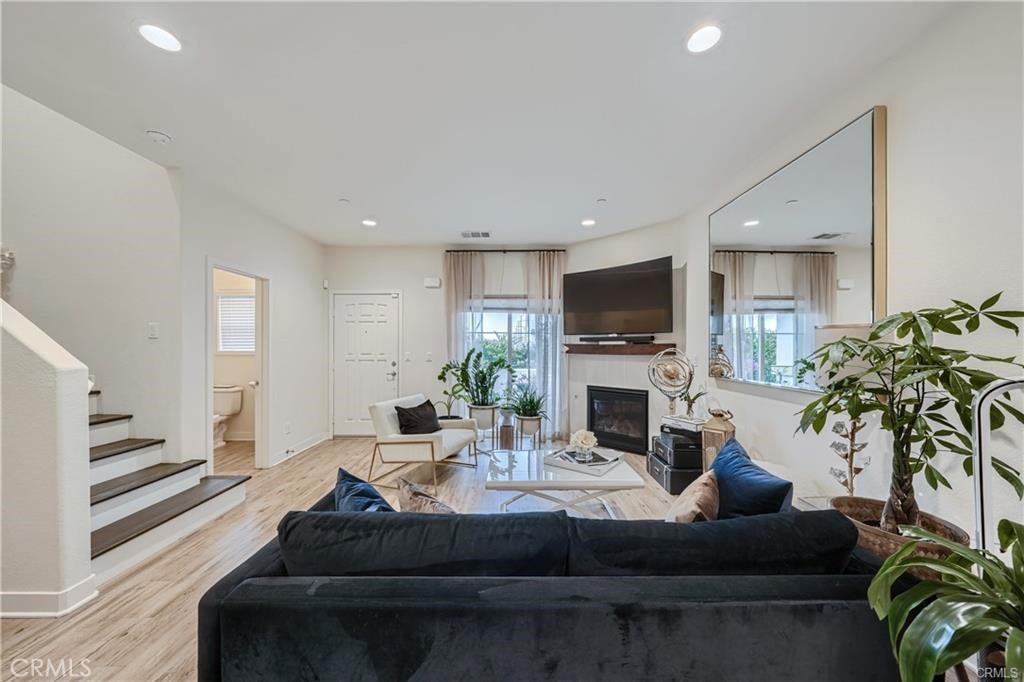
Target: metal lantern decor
{"points": [[671, 372]]}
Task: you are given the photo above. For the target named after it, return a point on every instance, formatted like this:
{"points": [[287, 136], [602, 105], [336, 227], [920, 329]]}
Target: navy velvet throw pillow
{"points": [[352, 493], [745, 489], [418, 420]]}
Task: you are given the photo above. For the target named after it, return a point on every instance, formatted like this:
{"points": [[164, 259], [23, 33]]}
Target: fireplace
{"points": [[618, 417]]}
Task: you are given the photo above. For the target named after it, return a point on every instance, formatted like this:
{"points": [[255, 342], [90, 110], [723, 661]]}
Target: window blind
{"points": [[236, 315]]}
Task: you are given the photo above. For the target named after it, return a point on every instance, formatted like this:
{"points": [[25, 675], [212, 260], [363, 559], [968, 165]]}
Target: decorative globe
{"points": [[671, 372]]}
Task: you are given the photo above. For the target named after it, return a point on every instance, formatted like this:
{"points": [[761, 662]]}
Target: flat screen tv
{"points": [[629, 299]]}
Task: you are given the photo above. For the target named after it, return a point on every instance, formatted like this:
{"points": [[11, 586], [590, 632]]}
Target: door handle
{"points": [[254, 384], [391, 374]]}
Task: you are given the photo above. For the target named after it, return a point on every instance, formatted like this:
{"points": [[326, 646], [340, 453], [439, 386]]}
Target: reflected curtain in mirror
{"points": [[737, 270]]}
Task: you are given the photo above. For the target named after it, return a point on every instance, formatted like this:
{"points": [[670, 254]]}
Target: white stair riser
{"points": [[108, 433], [120, 559], [111, 510], [125, 463], [94, 404]]}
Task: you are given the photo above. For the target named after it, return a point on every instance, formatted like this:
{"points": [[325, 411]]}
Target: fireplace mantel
{"points": [[617, 349]]}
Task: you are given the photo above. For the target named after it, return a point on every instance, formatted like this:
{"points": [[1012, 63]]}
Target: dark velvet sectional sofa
{"points": [[543, 596]]}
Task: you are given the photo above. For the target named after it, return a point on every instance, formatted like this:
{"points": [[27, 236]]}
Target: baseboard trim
{"points": [[48, 604], [301, 447]]}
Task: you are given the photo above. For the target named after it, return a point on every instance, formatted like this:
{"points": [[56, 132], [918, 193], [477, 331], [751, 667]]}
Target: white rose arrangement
{"points": [[583, 440]]}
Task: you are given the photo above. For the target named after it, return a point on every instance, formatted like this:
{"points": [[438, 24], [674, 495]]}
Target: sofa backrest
{"points": [[385, 419], [551, 544]]}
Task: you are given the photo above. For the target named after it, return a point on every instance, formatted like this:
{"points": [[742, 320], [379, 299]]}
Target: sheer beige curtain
{"points": [[814, 298], [543, 274], [464, 294], [737, 268]]}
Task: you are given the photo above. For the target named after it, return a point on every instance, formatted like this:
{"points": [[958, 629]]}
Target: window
{"points": [[236, 323], [505, 329], [769, 340]]}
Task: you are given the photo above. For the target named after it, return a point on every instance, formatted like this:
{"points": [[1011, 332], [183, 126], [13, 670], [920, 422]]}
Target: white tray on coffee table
{"points": [[525, 472]]}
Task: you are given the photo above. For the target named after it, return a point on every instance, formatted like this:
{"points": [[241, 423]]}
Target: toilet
{"points": [[227, 402]]}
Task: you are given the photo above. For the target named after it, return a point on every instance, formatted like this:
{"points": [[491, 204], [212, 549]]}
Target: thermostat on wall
{"points": [[432, 282]]}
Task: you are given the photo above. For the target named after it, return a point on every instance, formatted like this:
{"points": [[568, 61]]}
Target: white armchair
{"points": [[394, 447]]}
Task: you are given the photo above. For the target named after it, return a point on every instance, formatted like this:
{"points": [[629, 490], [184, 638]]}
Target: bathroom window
{"points": [[236, 323]]}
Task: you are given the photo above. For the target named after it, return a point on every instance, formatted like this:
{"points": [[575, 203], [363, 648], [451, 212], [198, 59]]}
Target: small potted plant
{"points": [[923, 392], [528, 404], [977, 606], [453, 390]]}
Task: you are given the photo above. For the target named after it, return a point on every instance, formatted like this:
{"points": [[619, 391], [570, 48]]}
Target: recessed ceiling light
{"points": [[792, 201], [158, 137], [752, 223], [342, 201], [703, 39], [602, 201], [588, 222], [370, 223], [162, 38]]}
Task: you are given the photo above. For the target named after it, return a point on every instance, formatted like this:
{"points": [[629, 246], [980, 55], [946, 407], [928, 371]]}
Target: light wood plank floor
{"points": [[142, 627]]}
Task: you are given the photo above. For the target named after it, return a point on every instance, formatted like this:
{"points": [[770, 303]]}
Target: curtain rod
{"points": [[828, 253], [504, 250]]}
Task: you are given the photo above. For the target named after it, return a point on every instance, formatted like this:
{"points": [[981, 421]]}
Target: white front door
{"points": [[365, 358]]}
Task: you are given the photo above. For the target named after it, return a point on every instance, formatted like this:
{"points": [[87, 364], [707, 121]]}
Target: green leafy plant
{"points": [[454, 390], [477, 377], [935, 625], [691, 400], [528, 402], [922, 390]]}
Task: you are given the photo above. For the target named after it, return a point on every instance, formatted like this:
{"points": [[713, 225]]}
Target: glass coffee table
{"points": [[526, 473]]}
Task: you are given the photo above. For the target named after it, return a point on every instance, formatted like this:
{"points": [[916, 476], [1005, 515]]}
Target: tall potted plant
{"points": [[977, 605], [923, 392], [478, 378]]}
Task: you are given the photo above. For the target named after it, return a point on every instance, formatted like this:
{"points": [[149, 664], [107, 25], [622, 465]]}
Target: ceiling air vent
{"points": [[476, 235], [826, 236]]}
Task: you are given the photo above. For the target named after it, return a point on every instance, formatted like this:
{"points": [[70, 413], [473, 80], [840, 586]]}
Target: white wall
{"points": [[46, 568], [216, 229], [955, 221], [94, 228], [236, 369]]}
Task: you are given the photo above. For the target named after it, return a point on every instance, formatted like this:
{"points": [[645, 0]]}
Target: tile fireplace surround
{"points": [[618, 417]]}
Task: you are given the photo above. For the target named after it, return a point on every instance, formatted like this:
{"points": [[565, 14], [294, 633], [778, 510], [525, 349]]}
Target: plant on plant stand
{"points": [[923, 392], [479, 380], [528, 404], [978, 604]]}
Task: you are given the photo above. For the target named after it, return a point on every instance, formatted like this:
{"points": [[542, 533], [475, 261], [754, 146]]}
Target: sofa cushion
{"points": [[697, 502], [419, 419], [453, 440], [745, 489], [353, 494], [794, 543], [353, 544]]}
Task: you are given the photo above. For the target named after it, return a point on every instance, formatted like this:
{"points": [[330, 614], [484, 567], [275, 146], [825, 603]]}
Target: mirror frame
{"points": [[880, 228]]}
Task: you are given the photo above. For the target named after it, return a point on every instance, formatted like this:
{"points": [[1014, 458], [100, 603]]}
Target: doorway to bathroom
{"points": [[237, 361]]}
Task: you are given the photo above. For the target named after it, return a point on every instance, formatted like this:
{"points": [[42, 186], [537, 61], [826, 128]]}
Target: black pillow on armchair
{"points": [[418, 420]]}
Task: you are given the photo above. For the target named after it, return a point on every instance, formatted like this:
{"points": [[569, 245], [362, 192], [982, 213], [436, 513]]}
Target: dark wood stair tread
{"points": [[120, 485], [121, 446], [95, 419], [134, 525]]}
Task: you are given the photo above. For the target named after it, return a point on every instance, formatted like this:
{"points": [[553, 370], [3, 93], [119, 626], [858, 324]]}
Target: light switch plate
{"points": [[153, 330]]}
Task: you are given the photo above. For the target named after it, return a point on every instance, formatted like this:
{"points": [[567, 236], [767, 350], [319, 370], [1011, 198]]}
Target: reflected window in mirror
{"points": [[796, 255]]}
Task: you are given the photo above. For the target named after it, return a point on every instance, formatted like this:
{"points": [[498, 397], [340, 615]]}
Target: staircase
{"points": [[139, 503]]}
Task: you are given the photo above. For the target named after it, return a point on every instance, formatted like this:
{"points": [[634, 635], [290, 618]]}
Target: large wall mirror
{"points": [[800, 256]]}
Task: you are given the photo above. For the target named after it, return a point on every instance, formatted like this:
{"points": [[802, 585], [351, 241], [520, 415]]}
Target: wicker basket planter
{"points": [[865, 513]]}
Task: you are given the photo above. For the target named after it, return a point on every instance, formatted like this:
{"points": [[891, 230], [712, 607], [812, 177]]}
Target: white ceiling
{"points": [[832, 185], [438, 118]]}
